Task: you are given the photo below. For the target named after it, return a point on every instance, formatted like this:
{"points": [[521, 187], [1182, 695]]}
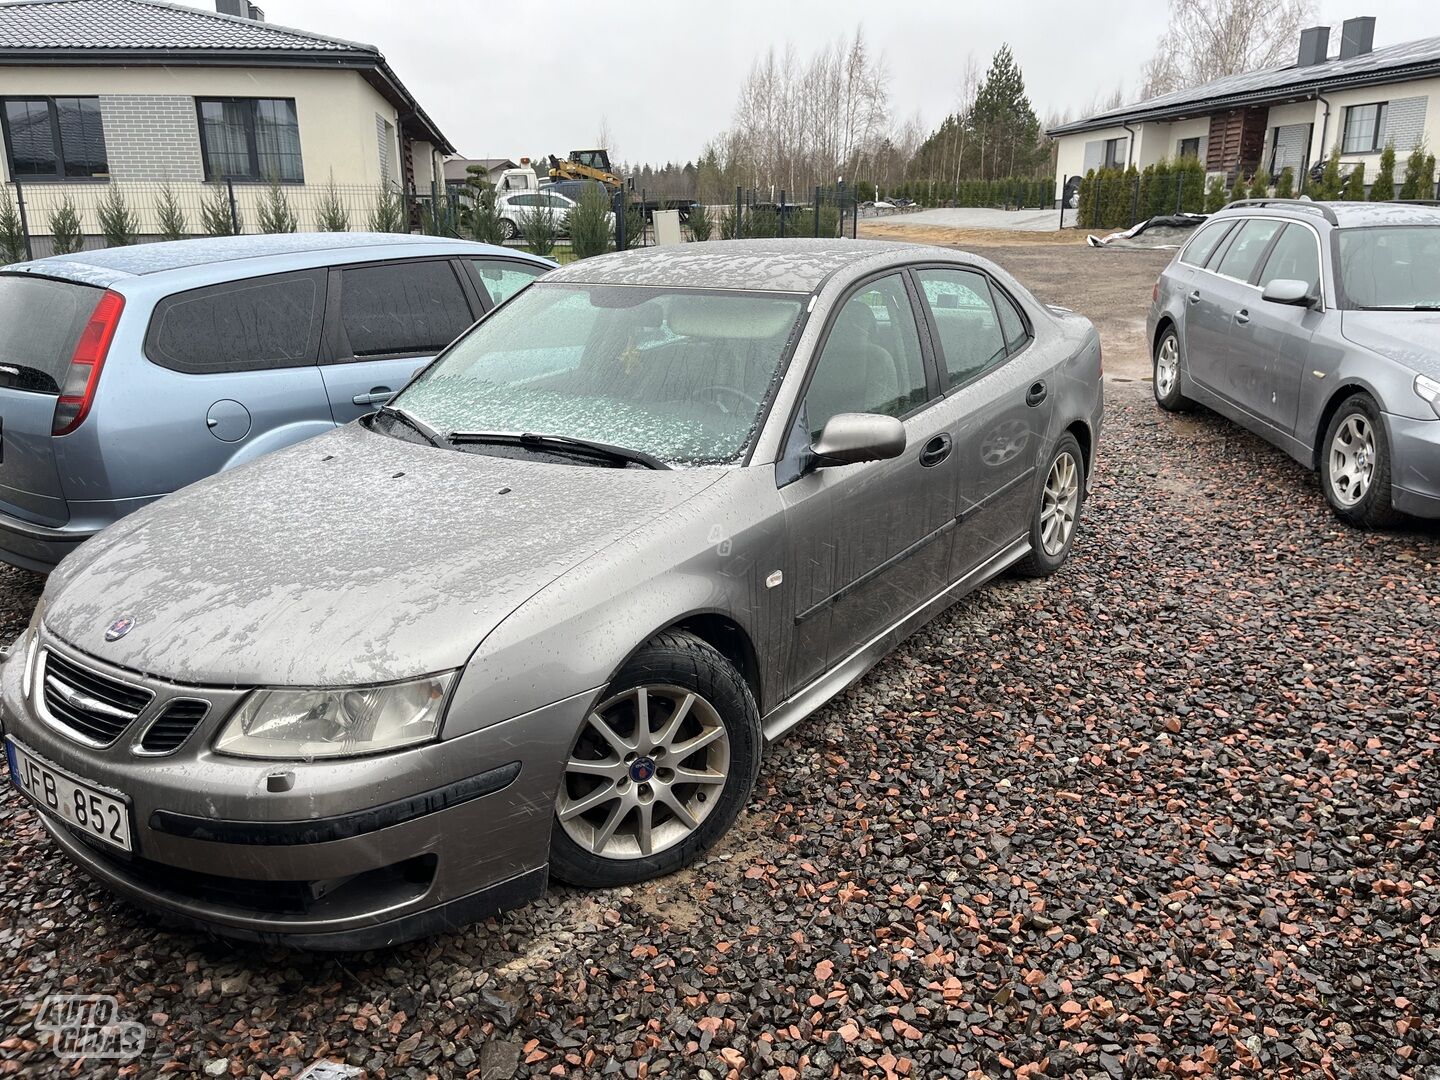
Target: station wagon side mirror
{"points": [[1288, 291], [848, 438]]}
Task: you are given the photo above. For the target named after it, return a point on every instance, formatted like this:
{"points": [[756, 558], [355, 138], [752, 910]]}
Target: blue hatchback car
{"points": [[128, 373]]}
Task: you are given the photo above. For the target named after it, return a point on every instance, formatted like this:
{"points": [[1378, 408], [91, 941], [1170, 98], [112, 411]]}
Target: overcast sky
{"points": [[505, 78]]}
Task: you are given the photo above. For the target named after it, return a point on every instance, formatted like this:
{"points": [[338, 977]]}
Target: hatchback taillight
{"points": [[1155, 292], [86, 361]]}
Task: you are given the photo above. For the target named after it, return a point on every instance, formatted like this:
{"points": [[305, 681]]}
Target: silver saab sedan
{"points": [[540, 615]]}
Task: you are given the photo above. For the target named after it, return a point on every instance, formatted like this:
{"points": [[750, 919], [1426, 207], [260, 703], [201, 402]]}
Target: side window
{"points": [[1010, 321], [504, 278], [401, 309], [268, 322], [1204, 243], [871, 361], [971, 337], [1243, 254], [1295, 256]]}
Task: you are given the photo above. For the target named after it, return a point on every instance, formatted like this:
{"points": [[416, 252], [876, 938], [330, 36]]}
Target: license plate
{"points": [[82, 805]]}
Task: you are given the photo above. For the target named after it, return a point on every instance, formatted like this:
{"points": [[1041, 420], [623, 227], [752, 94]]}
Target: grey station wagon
{"points": [[126, 374], [540, 613], [1316, 326]]}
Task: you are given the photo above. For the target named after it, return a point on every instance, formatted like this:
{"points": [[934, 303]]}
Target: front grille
{"points": [[174, 725], [95, 707]]}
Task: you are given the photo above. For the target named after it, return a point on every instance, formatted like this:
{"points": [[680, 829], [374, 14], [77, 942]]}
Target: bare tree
{"points": [[605, 139], [1209, 39]]}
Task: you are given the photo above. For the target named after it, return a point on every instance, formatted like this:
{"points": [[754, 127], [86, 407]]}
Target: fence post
{"points": [[854, 217], [234, 213], [782, 213], [1064, 187], [817, 210], [739, 221], [24, 221], [617, 203], [1135, 203]]}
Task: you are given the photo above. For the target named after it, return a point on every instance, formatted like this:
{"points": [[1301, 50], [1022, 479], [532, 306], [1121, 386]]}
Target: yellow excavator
{"points": [[585, 165]]}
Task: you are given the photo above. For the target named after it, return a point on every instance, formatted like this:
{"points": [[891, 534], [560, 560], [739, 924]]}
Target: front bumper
{"points": [[328, 855], [1414, 465]]}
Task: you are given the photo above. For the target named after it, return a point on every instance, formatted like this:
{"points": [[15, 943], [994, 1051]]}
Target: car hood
{"points": [[1411, 338], [349, 559]]}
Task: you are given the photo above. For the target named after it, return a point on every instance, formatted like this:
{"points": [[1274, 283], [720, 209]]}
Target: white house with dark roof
{"points": [[1289, 116], [139, 93]]}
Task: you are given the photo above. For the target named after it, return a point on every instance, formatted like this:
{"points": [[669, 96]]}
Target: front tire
{"points": [[1052, 529], [1355, 465], [661, 768], [1167, 373], [509, 229]]}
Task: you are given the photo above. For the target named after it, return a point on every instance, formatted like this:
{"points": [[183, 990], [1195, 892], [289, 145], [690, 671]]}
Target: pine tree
{"points": [[65, 229], [1215, 195], [12, 234], [1004, 124], [1354, 190], [332, 215], [1330, 183], [117, 222], [1285, 186], [169, 215], [1383, 189], [275, 213], [1260, 184]]}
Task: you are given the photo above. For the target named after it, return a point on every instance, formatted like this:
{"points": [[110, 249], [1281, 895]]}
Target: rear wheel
{"points": [[1355, 465], [1167, 373], [508, 229], [661, 768], [1052, 529]]}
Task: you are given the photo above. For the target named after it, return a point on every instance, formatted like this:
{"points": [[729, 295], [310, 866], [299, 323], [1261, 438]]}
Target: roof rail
{"points": [[1289, 204], [1419, 202]]}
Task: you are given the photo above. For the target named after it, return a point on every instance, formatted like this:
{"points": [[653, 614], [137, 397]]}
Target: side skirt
{"points": [[801, 704]]}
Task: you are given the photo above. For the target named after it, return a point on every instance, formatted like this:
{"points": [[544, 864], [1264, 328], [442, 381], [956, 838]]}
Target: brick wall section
{"points": [[1405, 123], [152, 136]]}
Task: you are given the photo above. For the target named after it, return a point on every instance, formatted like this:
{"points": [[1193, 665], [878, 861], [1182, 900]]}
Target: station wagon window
{"points": [[1295, 257], [1243, 254], [55, 138], [1204, 243], [402, 309], [253, 325], [1365, 128], [871, 361], [250, 139], [972, 339], [503, 279]]}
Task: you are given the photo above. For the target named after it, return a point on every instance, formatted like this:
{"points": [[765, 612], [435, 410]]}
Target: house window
{"points": [[1364, 128], [1189, 148], [55, 138], [250, 139], [1112, 157]]}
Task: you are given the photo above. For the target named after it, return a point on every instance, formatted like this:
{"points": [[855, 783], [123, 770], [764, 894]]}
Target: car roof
{"points": [[110, 265], [1347, 215], [779, 265]]}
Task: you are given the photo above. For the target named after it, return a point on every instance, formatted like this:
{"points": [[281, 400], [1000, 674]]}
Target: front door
{"points": [[1279, 334], [869, 543], [387, 321]]}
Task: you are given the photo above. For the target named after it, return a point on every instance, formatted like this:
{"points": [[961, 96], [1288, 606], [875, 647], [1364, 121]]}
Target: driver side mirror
{"points": [[1288, 291], [849, 438]]}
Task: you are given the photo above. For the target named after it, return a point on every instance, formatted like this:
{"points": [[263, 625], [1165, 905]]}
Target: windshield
{"points": [[1391, 267], [678, 374]]}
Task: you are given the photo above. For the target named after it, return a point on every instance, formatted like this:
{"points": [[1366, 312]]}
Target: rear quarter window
{"points": [[40, 321], [250, 325]]}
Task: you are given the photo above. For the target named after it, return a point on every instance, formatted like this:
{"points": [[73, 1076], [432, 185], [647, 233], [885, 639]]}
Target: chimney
{"points": [[241, 9], [1357, 37], [1314, 46], [255, 13]]}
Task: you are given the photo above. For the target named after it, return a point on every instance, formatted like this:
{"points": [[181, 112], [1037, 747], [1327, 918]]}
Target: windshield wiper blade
{"points": [[433, 437], [587, 447]]}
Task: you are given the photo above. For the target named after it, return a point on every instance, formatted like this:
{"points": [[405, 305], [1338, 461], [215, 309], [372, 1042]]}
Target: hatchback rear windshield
{"points": [[40, 321], [1395, 267], [679, 374]]}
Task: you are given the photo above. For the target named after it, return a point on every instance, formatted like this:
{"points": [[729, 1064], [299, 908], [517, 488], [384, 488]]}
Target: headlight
{"points": [[32, 647], [1429, 389], [304, 724]]}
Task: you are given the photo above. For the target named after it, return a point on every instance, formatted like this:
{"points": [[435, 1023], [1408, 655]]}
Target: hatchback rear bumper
{"points": [[1415, 465], [38, 547]]}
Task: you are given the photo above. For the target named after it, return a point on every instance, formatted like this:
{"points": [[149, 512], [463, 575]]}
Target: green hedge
{"points": [[1118, 198], [1015, 191]]}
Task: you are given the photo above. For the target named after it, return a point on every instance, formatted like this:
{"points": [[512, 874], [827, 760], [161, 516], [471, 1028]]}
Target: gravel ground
{"points": [[1170, 812]]}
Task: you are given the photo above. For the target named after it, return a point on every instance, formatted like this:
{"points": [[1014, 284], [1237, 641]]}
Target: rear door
{"points": [[1000, 400], [385, 322], [40, 323]]}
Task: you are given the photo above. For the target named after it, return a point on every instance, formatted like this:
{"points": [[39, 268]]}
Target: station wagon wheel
{"points": [[508, 229], [1167, 373], [1355, 464], [1062, 497], [660, 768]]}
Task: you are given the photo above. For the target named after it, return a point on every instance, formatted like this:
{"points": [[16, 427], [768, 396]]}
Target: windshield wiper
{"points": [[433, 437], [562, 443]]}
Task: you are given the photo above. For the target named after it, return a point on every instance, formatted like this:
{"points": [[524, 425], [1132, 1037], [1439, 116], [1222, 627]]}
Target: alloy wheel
{"points": [[1352, 460], [647, 769], [1059, 504], [1167, 366]]}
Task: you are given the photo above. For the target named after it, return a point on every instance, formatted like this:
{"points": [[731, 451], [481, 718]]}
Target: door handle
{"points": [[378, 395], [935, 451], [1242, 316], [1036, 394], [1194, 297]]}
